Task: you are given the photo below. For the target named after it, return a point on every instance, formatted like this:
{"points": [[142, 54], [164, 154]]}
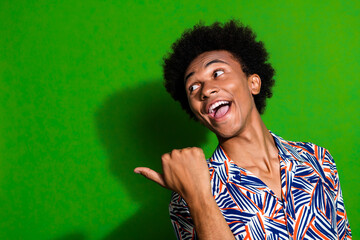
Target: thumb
{"points": [[151, 174]]}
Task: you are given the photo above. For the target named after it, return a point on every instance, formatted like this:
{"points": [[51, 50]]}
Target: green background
{"points": [[82, 104]]}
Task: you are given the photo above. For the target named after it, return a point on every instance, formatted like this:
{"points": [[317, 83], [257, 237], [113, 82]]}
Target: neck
{"points": [[253, 147]]}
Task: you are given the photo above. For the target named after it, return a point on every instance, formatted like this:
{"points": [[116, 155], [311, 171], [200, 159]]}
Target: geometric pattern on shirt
{"points": [[312, 205]]}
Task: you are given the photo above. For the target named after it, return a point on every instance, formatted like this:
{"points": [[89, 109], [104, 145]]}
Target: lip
{"points": [[207, 108]]}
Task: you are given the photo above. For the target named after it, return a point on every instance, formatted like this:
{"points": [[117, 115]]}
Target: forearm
{"points": [[208, 220]]}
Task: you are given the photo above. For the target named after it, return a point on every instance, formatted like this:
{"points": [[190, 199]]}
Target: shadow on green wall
{"points": [[72, 236], [136, 126]]}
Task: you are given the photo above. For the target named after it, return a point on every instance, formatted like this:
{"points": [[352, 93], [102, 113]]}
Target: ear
{"points": [[254, 82]]}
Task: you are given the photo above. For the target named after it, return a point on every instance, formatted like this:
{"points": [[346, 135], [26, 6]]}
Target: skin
{"points": [[217, 76]]}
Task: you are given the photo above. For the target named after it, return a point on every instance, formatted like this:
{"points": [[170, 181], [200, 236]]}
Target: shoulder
{"points": [[318, 159], [313, 154], [180, 218], [179, 211], [309, 154], [305, 151], [177, 199]]}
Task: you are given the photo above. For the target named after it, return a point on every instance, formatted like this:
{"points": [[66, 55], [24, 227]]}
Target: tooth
{"points": [[216, 104]]}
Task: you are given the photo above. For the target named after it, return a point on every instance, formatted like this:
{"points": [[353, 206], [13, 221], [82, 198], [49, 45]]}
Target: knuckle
{"points": [[197, 150], [165, 157], [175, 152], [186, 150]]}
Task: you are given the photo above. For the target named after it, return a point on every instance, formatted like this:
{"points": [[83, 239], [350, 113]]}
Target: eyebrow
{"points": [[215, 61], [206, 65]]}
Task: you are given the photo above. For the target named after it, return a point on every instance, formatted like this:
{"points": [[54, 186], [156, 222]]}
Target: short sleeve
{"points": [[343, 226], [180, 218]]}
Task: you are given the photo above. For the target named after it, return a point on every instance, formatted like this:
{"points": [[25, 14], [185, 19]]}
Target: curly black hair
{"points": [[231, 36]]}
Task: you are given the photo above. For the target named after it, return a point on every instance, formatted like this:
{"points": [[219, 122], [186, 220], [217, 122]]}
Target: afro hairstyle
{"points": [[231, 36]]}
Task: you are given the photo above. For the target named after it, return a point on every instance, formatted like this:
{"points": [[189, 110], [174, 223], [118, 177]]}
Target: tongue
{"points": [[221, 111]]}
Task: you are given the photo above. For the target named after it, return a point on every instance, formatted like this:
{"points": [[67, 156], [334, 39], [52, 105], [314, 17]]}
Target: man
{"points": [[256, 185]]}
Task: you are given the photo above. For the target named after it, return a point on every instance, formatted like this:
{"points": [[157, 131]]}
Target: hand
{"points": [[185, 171]]}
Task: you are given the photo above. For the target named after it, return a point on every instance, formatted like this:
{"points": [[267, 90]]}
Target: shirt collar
{"points": [[287, 149]]}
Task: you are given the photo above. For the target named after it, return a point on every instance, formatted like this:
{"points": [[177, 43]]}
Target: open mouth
{"points": [[219, 109]]}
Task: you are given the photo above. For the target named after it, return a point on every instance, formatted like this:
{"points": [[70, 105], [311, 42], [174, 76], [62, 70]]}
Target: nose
{"points": [[207, 90]]}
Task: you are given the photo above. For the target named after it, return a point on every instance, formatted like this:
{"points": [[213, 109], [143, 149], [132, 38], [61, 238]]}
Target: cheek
{"points": [[243, 92], [195, 108], [193, 105]]}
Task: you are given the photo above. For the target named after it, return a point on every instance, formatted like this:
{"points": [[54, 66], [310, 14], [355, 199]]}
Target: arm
{"points": [[343, 226], [186, 172]]}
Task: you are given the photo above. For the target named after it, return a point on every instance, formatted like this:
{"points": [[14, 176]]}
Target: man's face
{"points": [[220, 93]]}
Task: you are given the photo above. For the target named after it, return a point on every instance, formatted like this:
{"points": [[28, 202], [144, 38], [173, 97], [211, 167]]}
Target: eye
{"points": [[193, 87], [218, 73]]}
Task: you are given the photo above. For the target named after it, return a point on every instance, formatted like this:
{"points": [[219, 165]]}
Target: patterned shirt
{"points": [[311, 207]]}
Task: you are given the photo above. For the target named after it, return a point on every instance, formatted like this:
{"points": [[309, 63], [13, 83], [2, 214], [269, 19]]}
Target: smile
{"points": [[219, 109]]}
